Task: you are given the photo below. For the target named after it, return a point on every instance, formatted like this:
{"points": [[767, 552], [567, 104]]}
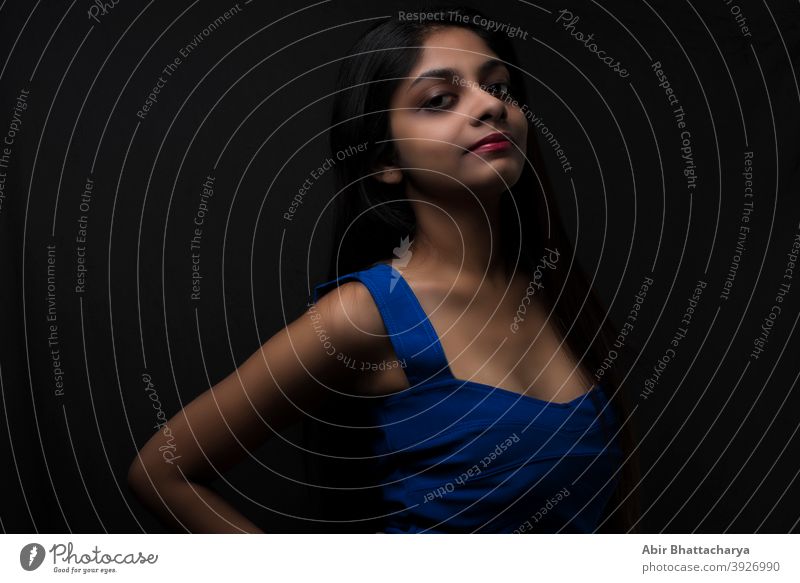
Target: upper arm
{"points": [[293, 372]]}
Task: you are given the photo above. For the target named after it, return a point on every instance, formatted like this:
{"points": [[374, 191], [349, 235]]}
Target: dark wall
{"points": [[247, 105]]}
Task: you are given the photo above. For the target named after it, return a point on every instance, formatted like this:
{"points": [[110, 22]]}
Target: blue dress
{"points": [[455, 456]]}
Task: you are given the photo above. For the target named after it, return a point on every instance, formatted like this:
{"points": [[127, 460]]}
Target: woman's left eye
{"points": [[505, 88]]}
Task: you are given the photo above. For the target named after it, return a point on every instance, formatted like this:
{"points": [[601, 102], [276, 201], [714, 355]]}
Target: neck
{"points": [[459, 238]]}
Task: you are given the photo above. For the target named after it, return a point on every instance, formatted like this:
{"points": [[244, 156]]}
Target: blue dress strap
{"points": [[410, 331]]}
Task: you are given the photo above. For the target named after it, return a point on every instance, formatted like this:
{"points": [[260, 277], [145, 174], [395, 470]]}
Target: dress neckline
{"points": [[446, 373], [492, 390]]}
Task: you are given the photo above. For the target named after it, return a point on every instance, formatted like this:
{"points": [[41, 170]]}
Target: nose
{"points": [[487, 108]]}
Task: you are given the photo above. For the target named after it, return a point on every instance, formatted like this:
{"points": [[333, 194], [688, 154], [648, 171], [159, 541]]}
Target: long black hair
{"points": [[373, 217]]}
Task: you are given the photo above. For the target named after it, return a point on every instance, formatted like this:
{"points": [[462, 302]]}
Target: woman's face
{"points": [[435, 121]]}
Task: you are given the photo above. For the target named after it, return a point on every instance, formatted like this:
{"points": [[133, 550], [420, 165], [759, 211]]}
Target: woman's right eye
{"points": [[435, 102]]}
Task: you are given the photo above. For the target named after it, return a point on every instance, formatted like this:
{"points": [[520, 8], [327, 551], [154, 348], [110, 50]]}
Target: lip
{"points": [[492, 142]]}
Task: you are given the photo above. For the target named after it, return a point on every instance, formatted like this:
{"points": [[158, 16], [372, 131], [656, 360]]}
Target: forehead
{"points": [[452, 47]]}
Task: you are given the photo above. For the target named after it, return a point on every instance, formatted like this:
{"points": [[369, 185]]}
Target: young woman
{"points": [[453, 311]]}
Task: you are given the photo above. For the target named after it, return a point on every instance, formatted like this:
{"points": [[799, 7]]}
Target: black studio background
{"points": [[247, 108]]}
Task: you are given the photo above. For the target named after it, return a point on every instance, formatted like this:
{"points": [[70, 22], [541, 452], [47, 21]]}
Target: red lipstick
{"points": [[493, 142]]}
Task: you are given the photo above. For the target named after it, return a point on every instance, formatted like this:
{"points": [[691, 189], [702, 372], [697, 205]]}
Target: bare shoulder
{"points": [[348, 316], [361, 340], [351, 310]]}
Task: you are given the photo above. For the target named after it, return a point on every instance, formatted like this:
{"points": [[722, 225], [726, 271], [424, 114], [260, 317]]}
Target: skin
{"points": [[470, 297], [456, 269]]}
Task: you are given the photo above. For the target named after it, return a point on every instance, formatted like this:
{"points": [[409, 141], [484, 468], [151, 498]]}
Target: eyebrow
{"points": [[448, 73]]}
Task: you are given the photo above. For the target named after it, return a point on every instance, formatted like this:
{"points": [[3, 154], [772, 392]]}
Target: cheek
{"points": [[517, 120], [427, 143], [522, 122]]}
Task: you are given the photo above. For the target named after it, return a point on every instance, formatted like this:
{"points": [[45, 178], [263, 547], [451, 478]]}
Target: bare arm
{"points": [[288, 375]]}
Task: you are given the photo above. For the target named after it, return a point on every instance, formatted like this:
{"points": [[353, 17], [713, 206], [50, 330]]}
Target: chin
{"points": [[497, 182], [491, 190]]}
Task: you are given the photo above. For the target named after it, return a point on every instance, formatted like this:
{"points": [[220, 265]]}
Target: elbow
{"points": [[146, 477], [138, 476]]}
